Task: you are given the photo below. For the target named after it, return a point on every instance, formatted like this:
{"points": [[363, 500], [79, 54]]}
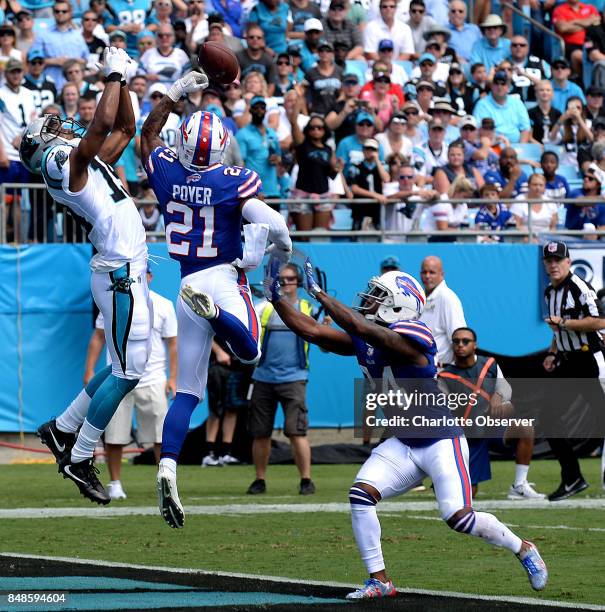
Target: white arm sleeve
{"points": [[503, 387], [256, 211]]}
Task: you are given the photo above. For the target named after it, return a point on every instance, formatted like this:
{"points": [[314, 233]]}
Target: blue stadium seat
{"points": [[569, 172], [42, 23], [406, 65], [358, 67], [529, 170], [558, 149], [528, 150], [343, 219]]}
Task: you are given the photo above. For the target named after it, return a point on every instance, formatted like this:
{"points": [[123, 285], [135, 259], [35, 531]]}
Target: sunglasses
{"points": [[90, 19], [283, 63], [60, 11], [349, 83], [420, 11], [337, 8], [388, 6], [559, 67], [165, 35], [365, 124], [456, 11], [252, 37], [500, 82], [406, 177], [232, 86], [464, 341], [590, 178], [37, 61], [382, 80], [288, 279], [518, 44], [156, 96], [317, 126], [455, 71], [411, 112]]}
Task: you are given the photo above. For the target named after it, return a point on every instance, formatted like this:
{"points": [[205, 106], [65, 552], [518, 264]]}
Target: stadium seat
{"points": [[528, 150], [42, 23], [529, 170], [406, 65], [357, 67], [343, 219], [558, 149], [569, 172]]}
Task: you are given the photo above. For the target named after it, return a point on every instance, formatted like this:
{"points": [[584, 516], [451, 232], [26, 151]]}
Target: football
{"points": [[218, 62]]}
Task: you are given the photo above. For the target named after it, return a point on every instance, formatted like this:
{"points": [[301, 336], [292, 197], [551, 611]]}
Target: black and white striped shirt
{"points": [[573, 299]]}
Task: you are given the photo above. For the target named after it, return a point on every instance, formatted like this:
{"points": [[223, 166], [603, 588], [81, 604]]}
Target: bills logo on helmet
{"points": [[407, 288]]}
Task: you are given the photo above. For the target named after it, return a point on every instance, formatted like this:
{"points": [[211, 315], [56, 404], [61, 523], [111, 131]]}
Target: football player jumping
{"points": [[203, 202], [75, 165], [391, 343]]}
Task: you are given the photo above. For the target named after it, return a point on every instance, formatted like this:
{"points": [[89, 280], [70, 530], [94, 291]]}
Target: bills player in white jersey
{"points": [[203, 203], [75, 165]]}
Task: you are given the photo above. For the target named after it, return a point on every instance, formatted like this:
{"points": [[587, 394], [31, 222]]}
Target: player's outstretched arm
{"points": [[124, 129], [150, 132], [327, 338], [114, 68], [256, 211], [357, 325]]}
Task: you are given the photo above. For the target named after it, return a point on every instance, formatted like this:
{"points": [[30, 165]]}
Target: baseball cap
{"points": [[598, 123], [487, 123], [382, 75], [144, 34], [284, 56], [337, 4], [324, 44], [34, 54], [468, 120], [386, 44], [257, 100], [442, 105], [157, 88], [594, 91], [23, 11], [501, 76], [313, 24], [294, 49], [370, 143], [428, 84], [555, 249], [391, 262], [427, 57], [117, 34], [350, 77], [364, 116], [560, 61], [456, 66], [13, 64]]}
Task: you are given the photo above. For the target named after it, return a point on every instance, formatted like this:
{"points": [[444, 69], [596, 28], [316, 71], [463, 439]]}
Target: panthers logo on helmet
{"points": [[408, 288]]}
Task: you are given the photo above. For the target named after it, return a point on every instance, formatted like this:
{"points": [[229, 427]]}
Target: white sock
{"points": [[86, 442], [366, 528], [74, 415], [490, 529], [520, 474], [169, 464]]}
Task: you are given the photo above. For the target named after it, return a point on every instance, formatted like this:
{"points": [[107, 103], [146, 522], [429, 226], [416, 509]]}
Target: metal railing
{"points": [[43, 220]]}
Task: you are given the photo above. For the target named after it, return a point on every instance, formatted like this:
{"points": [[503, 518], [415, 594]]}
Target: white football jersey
{"points": [[116, 228], [17, 110]]}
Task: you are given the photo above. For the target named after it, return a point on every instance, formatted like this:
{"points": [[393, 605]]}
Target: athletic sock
{"points": [[366, 528], [169, 464], [241, 340], [107, 398], [520, 474], [225, 449], [86, 442], [211, 448], [74, 415], [489, 528], [176, 424]]}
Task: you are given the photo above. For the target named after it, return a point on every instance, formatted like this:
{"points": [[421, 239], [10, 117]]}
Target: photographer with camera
{"points": [[341, 120]]}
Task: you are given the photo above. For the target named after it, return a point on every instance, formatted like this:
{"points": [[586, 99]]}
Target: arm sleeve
{"points": [[256, 211], [502, 387]]}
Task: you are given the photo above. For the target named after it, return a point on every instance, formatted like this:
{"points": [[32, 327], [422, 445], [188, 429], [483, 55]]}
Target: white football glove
{"points": [[115, 61], [280, 253], [190, 83]]}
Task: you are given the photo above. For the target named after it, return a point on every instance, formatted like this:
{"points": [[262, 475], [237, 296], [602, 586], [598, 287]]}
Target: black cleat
{"points": [[567, 490], [59, 442], [257, 487], [84, 474], [306, 487]]}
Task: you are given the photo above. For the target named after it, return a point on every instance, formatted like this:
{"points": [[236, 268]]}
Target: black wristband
{"points": [[114, 77], [123, 83]]}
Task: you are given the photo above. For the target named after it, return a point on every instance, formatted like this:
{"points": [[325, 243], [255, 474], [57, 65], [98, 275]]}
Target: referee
{"points": [[575, 352]]}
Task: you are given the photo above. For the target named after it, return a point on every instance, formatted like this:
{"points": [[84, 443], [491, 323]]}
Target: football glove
{"points": [[282, 254], [310, 283], [115, 61], [271, 286], [190, 83]]}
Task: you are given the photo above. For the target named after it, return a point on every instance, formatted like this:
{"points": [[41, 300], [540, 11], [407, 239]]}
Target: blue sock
{"points": [[241, 340], [97, 380], [176, 424], [107, 398]]}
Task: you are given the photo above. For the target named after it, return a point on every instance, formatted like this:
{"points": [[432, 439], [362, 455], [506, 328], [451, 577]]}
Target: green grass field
{"points": [[420, 551]]}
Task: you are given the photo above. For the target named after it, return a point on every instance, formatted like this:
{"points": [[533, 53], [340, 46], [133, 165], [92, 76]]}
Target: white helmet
{"points": [[201, 141], [46, 132], [399, 296]]}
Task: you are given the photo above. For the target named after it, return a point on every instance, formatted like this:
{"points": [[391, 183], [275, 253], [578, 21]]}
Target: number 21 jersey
{"points": [[201, 209]]}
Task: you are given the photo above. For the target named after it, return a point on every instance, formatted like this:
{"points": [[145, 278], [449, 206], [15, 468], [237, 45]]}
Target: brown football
{"points": [[218, 62]]}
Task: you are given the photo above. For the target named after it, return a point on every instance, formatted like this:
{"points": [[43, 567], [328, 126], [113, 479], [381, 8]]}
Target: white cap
{"points": [[313, 24], [371, 143], [157, 87]]}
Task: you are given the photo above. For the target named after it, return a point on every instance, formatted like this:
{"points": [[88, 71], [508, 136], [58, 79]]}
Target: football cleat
{"points": [[115, 490], [84, 474], [373, 589], [567, 490], [534, 566], [524, 491], [59, 442], [201, 303], [229, 460], [257, 487], [307, 488], [211, 460], [171, 508]]}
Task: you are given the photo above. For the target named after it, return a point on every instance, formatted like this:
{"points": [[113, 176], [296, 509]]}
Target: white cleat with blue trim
{"points": [[374, 589], [171, 508], [201, 303], [534, 565]]}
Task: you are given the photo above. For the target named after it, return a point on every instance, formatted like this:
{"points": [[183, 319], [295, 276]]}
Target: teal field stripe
{"points": [[150, 601], [83, 583]]}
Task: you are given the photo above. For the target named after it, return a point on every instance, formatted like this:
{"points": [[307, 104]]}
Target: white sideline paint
{"points": [[115, 510], [179, 570]]}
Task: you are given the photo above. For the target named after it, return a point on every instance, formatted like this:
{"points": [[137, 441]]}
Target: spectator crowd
{"points": [[406, 105]]}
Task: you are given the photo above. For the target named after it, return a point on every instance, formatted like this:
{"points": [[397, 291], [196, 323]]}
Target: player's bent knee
{"points": [[363, 494], [462, 520]]}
